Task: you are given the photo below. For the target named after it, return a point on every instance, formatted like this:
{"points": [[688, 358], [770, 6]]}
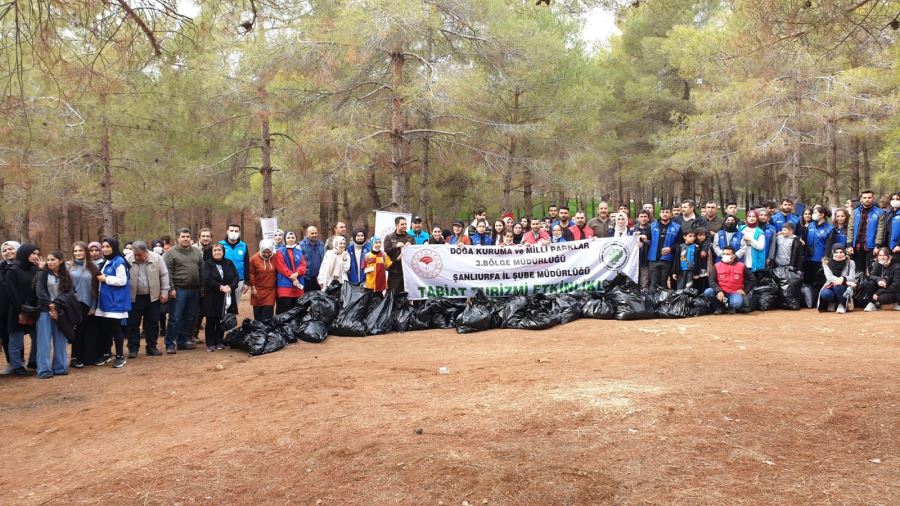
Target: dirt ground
{"points": [[767, 408]]}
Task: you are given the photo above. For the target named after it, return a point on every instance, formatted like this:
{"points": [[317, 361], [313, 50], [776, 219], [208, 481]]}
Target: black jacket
{"points": [[891, 274], [19, 285], [211, 280], [391, 249], [796, 253]]}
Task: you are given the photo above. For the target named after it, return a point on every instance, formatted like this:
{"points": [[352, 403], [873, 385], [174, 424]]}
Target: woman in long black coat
{"points": [[220, 280]]}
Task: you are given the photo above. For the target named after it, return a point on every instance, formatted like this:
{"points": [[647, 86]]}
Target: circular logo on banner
{"points": [[614, 256], [427, 263], [387, 231]]}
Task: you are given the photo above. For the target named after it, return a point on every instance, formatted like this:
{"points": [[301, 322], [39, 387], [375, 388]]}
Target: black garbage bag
{"points": [[673, 304], [319, 306], [401, 313], [295, 313], [378, 321], [567, 307], [598, 307], [239, 337], [439, 313], [749, 303], [312, 331], [480, 314], [700, 305], [632, 304], [529, 313], [765, 293], [262, 343], [809, 297], [790, 284], [351, 320]]}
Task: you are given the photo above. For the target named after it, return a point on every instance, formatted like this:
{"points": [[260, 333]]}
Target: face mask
{"points": [[731, 226], [158, 250], [727, 258], [234, 236], [895, 204], [816, 215]]}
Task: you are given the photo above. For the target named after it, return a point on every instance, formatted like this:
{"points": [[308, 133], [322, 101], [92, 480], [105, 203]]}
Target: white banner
{"points": [[438, 270], [384, 222], [269, 226]]}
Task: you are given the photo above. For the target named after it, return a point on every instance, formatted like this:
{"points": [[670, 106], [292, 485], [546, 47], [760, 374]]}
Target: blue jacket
{"points": [[314, 255], [892, 230], [238, 255], [421, 236], [722, 242], [481, 240], [816, 239], [771, 232], [293, 257], [115, 299], [871, 226], [357, 273], [668, 241], [687, 259], [778, 220]]}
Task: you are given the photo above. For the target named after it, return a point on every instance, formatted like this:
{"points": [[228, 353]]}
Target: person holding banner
{"points": [[437, 235], [393, 247], [457, 237], [536, 235], [291, 265], [377, 264], [481, 237]]}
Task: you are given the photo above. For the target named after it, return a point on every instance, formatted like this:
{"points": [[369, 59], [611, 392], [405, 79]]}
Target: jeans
{"points": [[735, 300], [835, 293], [48, 334], [186, 305], [16, 349], [143, 310]]}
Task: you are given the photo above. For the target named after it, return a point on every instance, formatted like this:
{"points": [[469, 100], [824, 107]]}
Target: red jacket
{"points": [[528, 237], [729, 278], [288, 266], [579, 234]]}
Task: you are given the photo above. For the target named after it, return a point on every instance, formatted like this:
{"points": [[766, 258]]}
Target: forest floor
{"points": [[767, 408]]}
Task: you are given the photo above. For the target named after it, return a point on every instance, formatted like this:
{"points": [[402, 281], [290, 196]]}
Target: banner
{"points": [[269, 226], [384, 222], [458, 271]]}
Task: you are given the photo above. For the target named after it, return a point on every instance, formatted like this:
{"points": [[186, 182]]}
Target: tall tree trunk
{"points": [[372, 185], [106, 179], [324, 196], [793, 172], [867, 170], [425, 190], [527, 189], [398, 193], [3, 232], [511, 162], [621, 193], [266, 167], [854, 165], [348, 216], [729, 181], [831, 171]]}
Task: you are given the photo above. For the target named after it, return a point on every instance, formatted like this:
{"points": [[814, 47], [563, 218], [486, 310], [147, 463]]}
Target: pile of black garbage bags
{"points": [[350, 310]]}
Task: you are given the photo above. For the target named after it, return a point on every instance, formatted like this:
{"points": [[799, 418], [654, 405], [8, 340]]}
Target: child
{"points": [[702, 239], [376, 265], [787, 250], [686, 262]]}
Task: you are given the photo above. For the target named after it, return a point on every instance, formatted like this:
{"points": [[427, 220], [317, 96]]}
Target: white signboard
{"points": [[269, 226], [384, 222]]}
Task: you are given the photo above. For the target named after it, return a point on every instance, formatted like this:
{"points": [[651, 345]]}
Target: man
{"points": [[236, 251], [711, 217], [642, 231], [688, 220], [313, 252], [340, 229], [664, 234], [262, 281], [420, 236], [553, 212], [650, 210], [204, 244], [393, 247], [183, 263], [536, 236], [864, 231], [779, 219], [580, 230], [480, 214], [564, 223], [601, 225], [730, 280], [731, 209], [149, 289]]}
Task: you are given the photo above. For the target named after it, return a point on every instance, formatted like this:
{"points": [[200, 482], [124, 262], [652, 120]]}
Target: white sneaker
{"points": [[897, 306], [7, 370], [841, 309], [870, 307]]}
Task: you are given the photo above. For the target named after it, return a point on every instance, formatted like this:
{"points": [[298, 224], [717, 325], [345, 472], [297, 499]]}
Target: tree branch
{"points": [[157, 50]]}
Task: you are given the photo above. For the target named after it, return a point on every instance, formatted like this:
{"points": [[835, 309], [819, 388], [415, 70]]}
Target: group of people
{"points": [[102, 297]]}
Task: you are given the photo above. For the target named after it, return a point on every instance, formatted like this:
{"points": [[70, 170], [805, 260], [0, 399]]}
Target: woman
{"points": [[457, 237], [803, 225], [220, 280], [19, 283], [753, 239], [113, 301], [498, 231], [838, 229], [357, 251], [481, 237], [620, 226], [278, 239], [892, 227], [557, 236], [817, 233], [95, 254], [727, 236], [518, 232], [335, 263], [7, 260], [84, 280], [263, 281], [524, 223], [291, 268], [437, 235], [840, 274], [883, 283], [52, 282]]}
